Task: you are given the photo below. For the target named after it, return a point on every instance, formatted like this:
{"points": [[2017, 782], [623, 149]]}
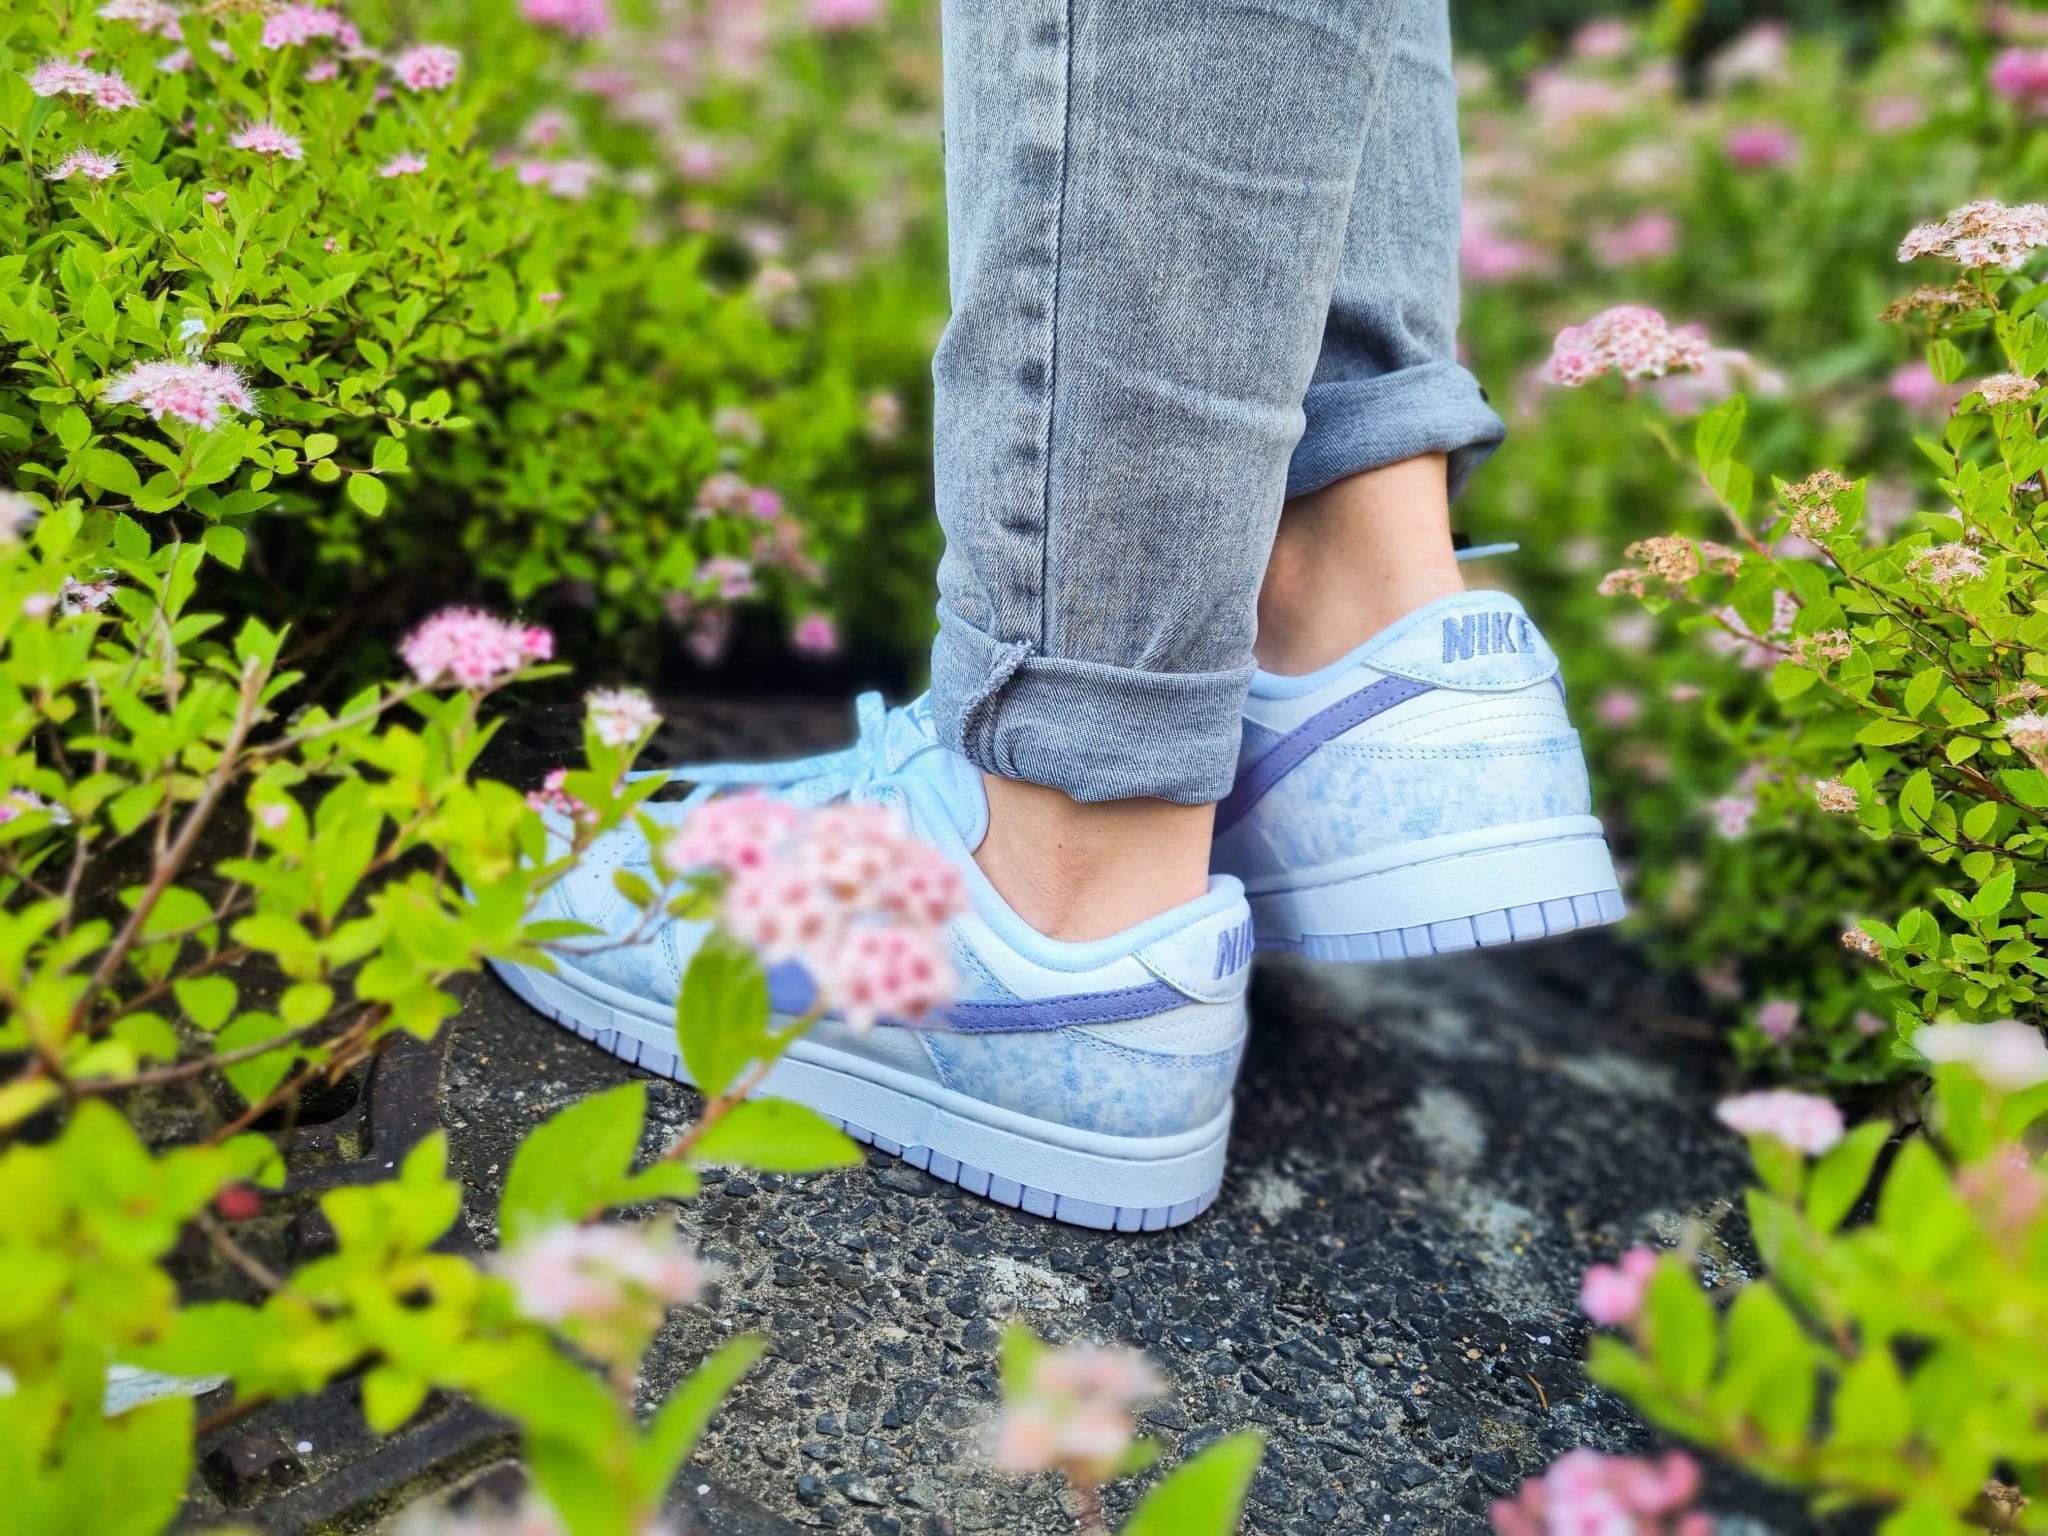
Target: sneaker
{"points": [[1086, 1082], [1425, 793]]}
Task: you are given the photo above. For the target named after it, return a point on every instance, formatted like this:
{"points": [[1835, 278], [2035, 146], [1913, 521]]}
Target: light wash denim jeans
{"points": [[1204, 257]]}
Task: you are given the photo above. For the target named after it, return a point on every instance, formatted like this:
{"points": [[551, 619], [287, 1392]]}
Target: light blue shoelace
{"points": [[858, 772]]}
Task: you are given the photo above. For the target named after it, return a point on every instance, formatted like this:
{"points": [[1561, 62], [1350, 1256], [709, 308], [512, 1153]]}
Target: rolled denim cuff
{"points": [[1092, 731], [1360, 424]]}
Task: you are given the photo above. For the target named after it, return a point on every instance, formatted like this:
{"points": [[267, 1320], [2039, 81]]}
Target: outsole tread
{"points": [[1482, 930]]}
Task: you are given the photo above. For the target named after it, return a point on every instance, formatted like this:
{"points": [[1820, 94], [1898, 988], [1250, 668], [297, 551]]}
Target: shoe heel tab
{"points": [[1476, 642], [1209, 960]]}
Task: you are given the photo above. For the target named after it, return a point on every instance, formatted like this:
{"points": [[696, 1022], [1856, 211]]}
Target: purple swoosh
{"points": [[1291, 750], [790, 990]]}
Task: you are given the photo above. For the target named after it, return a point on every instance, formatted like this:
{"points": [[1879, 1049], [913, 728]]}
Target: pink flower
{"points": [[842, 15], [1618, 707], [1731, 814], [764, 505], [85, 596], [730, 578], [1895, 114], [274, 814], [1628, 339], [407, 164], [2008, 1055], [547, 127], [292, 26], [1778, 1019], [618, 717], [427, 67], [571, 179], [1799, 1120], [732, 833], [1587, 1493], [552, 296], [1758, 54], [880, 972], [321, 70], [1914, 386], [151, 16], [1757, 146], [266, 138], [198, 394], [578, 18], [216, 197], [471, 649], [2021, 76], [17, 803], [1945, 564], [1646, 237], [1612, 1294], [89, 163], [68, 77], [1981, 234], [1605, 37], [1835, 797], [709, 635], [1073, 1411], [571, 1271], [815, 635]]}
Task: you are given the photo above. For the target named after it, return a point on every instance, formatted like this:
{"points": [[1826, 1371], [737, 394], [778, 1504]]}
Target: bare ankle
{"points": [[1351, 559], [1079, 872]]}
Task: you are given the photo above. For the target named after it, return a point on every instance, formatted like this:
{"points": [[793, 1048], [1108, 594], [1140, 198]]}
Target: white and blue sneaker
{"points": [[1086, 1082], [1425, 793]]}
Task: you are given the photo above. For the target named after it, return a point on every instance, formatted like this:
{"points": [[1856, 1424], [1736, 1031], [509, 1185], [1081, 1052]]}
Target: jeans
{"points": [[1204, 258]]}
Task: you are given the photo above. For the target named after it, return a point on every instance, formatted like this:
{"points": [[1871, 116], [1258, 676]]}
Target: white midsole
{"points": [[1438, 880], [911, 1112]]}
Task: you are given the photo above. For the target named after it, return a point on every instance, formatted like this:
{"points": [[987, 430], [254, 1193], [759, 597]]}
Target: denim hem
{"points": [[1090, 730], [1360, 424]]}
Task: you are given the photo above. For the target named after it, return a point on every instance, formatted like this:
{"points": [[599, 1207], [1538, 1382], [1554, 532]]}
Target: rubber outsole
{"points": [[1504, 925], [1073, 1210]]}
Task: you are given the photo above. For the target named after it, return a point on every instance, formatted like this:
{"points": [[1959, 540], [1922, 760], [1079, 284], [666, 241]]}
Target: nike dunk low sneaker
{"points": [[1090, 1083], [1425, 793]]}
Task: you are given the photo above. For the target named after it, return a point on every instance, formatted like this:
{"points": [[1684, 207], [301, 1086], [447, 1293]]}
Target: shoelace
{"points": [[859, 772]]}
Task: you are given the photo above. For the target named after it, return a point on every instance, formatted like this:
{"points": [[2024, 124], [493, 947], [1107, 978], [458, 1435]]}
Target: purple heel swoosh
{"points": [[1291, 750]]}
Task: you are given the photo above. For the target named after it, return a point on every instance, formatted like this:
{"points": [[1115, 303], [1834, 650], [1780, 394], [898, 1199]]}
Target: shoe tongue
{"points": [[955, 783]]}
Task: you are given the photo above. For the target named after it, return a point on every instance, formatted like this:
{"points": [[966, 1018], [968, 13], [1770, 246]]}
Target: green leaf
{"points": [[206, 1000], [722, 1012], [1889, 733], [1683, 1334], [1205, 1496], [776, 1136], [319, 445], [257, 1078], [109, 471], [368, 493], [680, 1422], [225, 544], [1841, 1176], [1715, 436], [391, 1395], [1871, 1410], [573, 1164]]}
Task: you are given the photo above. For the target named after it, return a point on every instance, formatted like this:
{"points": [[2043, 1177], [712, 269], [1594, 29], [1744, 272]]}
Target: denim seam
{"points": [[1551, 746], [1052, 350]]}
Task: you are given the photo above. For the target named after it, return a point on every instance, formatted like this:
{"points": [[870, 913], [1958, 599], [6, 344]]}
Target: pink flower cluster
{"points": [[89, 163], [1759, 146], [728, 577], [1646, 237], [842, 15], [553, 798], [406, 164], [578, 18], [198, 394], [727, 492], [471, 649], [2008, 1055], [618, 717], [1612, 1294], [294, 26], [1778, 1019], [1586, 1493], [68, 77], [1629, 339], [847, 892], [570, 179], [427, 67], [1073, 1414], [151, 16], [571, 1272], [815, 635], [85, 596], [1981, 234], [266, 138], [2021, 76], [1799, 1120]]}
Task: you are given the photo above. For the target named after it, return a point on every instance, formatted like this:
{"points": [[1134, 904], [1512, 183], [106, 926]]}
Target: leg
{"points": [[1148, 202], [1395, 424]]}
